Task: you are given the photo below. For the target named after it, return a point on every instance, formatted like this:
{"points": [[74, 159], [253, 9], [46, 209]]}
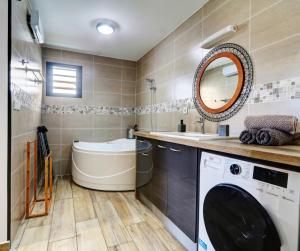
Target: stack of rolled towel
{"points": [[270, 130]]}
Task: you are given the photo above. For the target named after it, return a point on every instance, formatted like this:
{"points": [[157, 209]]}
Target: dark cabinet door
{"points": [[144, 168], [182, 188], [160, 175]]}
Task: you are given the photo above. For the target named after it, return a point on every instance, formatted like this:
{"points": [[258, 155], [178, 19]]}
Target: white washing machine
{"points": [[246, 206]]}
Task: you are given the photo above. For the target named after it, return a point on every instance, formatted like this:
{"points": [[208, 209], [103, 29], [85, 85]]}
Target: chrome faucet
{"points": [[201, 121]]}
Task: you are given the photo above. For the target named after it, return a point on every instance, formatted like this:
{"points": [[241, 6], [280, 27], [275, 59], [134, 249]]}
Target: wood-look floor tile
{"points": [[130, 246], [99, 196], [89, 236], [145, 213], [35, 239], [63, 188], [63, 245], [168, 240], [113, 229], [42, 221], [63, 222], [84, 209], [145, 238], [127, 212], [79, 191]]}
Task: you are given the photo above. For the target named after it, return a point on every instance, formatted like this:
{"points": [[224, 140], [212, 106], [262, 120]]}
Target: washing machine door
{"points": [[236, 221]]}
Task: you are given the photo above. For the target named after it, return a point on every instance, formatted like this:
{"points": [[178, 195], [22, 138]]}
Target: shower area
{"points": [[151, 84]]}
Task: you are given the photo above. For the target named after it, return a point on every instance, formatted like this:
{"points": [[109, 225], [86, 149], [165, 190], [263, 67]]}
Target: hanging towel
{"points": [[273, 137], [283, 123], [248, 136]]}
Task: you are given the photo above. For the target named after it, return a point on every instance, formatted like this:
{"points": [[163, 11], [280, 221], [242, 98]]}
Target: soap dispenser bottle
{"points": [[181, 126]]}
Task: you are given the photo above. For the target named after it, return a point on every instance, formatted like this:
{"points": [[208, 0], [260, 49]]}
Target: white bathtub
{"points": [[108, 166]]}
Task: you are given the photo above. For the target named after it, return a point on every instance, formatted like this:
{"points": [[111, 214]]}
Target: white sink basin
{"points": [[190, 135]]}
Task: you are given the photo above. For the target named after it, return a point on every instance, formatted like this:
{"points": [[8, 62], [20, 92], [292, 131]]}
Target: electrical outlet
{"points": [[185, 110], [17, 105]]}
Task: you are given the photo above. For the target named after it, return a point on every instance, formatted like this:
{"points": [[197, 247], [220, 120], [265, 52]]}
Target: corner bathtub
{"points": [[108, 166]]}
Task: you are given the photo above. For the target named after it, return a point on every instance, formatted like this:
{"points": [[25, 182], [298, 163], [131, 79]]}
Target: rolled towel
{"points": [[279, 122], [248, 136], [273, 137]]}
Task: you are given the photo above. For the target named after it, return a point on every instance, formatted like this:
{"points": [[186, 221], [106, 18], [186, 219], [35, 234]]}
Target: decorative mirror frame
{"points": [[245, 70]]}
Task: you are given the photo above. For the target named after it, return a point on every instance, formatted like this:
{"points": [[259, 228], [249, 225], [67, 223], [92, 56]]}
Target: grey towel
{"points": [[248, 136], [273, 137], [279, 122]]}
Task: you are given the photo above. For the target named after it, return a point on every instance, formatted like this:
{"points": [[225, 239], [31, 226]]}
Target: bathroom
{"points": [[132, 69]]}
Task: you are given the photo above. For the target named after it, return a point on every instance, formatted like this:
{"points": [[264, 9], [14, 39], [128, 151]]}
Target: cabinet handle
{"points": [[162, 147], [145, 154], [175, 150]]}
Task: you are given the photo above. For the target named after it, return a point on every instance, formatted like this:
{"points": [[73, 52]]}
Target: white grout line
{"points": [[265, 9], [276, 42]]}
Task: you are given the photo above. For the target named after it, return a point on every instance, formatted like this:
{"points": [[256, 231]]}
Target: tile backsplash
{"points": [[26, 98], [104, 112], [270, 37]]}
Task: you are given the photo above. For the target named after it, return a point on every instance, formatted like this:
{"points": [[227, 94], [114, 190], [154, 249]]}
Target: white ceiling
{"points": [[70, 24]]}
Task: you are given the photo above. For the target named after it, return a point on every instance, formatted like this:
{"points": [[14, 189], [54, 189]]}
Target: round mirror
{"points": [[222, 82]]}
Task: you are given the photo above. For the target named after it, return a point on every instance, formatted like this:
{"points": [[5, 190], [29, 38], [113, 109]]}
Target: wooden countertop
{"points": [[288, 154]]}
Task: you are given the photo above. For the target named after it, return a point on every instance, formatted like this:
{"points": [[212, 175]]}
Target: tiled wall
{"points": [[103, 113], [26, 98], [268, 30]]}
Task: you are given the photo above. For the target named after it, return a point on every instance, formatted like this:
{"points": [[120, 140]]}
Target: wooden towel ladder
{"points": [[47, 183]]}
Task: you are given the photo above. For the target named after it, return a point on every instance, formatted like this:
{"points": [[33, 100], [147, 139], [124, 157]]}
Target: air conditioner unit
{"points": [[36, 27], [230, 70]]}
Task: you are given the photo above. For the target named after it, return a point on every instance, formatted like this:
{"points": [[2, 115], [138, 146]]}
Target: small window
{"points": [[63, 80]]}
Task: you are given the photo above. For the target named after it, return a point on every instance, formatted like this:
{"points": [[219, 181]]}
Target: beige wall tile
{"points": [[54, 136], [187, 42], [107, 61], [276, 23], [103, 135], [107, 121], [128, 121], [232, 12], [87, 99], [51, 120], [194, 19], [128, 101], [212, 6], [107, 99], [128, 87], [66, 151], [79, 57], [128, 63], [49, 52], [107, 85], [76, 120], [279, 61], [260, 5], [69, 135], [129, 74], [106, 71]]}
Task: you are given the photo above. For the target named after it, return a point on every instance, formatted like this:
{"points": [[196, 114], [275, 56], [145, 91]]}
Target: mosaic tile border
{"points": [[282, 90], [21, 98], [276, 91], [87, 109], [180, 105]]}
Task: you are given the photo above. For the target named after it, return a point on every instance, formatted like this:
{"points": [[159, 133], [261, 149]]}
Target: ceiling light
{"points": [[105, 28]]}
